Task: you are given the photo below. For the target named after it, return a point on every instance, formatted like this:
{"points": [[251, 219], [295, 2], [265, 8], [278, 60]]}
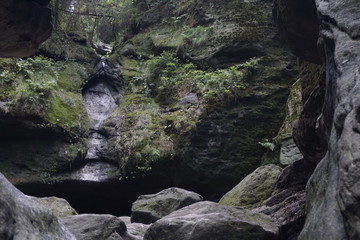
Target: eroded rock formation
{"points": [[332, 122], [24, 25]]}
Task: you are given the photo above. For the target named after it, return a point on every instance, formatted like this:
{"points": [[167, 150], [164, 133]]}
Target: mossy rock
{"points": [[37, 160], [68, 111], [293, 109], [65, 46], [72, 76], [253, 189]]}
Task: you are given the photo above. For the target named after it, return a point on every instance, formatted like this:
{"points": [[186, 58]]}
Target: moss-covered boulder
{"points": [[58, 206], [43, 118], [253, 189], [150, 208]]}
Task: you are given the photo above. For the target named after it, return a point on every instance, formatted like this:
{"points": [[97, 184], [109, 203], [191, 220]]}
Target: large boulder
{"points": [[286, 205], [58, 206], [23, 218], [253, 189], [95, 227], [149, 208], [208, 220], [135, 229], [333, 190], [24, 24]]}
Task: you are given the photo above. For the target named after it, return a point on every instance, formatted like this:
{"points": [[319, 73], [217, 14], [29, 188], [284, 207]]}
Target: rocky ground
{"points": [[269, 173]]}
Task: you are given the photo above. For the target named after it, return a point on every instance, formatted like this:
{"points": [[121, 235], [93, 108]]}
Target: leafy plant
{"points": [[164, 77], [39, 80], [6, 77], [267, 144]]}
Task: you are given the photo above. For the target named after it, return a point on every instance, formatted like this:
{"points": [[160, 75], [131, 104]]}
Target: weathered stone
{"points": [[95, 227], [289, 152], [298, 24], [135, 229], [149, 208], [295, 175], [294, 106], [69, 46], [22, 218], [333, 190], [253, 189], [308, 137], [286, 206], [287, 209], [58, 206], [24, 24], [190, 98], [208, 220]]}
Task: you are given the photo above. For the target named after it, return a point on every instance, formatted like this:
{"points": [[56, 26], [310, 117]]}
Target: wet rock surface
{"points": [[207, 220], [149, 208]]}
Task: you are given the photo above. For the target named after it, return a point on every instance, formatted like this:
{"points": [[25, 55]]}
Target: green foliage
{"points": [[6, 77], [143, 141], [198, 35], [67, 111], [108, 20], [164, 77], [39, 80], [267, 144], [29, 66]]}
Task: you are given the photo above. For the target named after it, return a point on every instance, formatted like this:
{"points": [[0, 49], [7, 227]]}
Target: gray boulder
{"points": [[23, 218], [58, 206], [149, 208], [97, 227], [208, 220], [289, 152], [253, 189], [332, 208], [135, 229]]}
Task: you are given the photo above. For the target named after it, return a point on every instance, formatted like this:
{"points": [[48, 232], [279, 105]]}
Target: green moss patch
{"points": [[68, 111]]}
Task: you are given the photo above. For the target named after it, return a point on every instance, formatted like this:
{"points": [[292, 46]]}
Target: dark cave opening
{"points": [[113, 197]]}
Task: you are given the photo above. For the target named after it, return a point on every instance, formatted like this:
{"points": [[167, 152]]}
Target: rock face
{"points": [[95, 227], [22, 218], [59, 206], [286, 205], [25, 24], [135, 229], [328, 128], [211, 35], [332, 211], [289, 152], [149, 208], [298, 23], [207, 220], [253, 189], [308, 135]]}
